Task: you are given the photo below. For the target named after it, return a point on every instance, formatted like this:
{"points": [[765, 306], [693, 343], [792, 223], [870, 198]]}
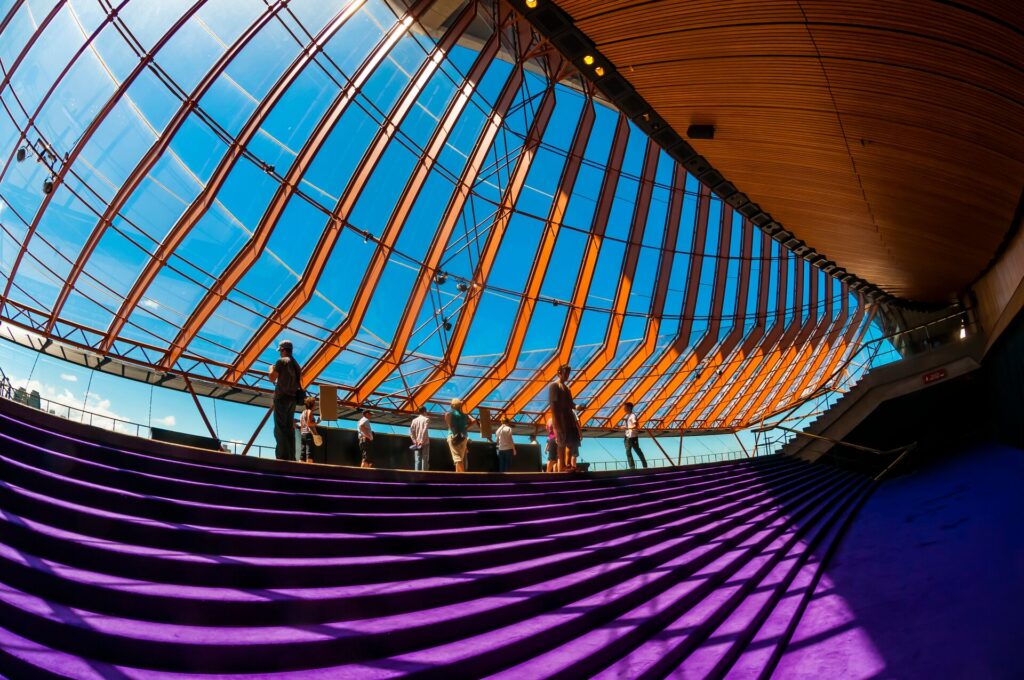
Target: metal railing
{"points": [[662, 462]]}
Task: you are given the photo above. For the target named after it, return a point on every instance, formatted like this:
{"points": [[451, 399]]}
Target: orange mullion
{"points": [[726, 350], [581, 290], [243, 261], [757, 339], [667, 257], [152, 155], [679, 344], [541, 261], [785, 349], [773, 340], [516, 182], [710, 337], [393, 356], [206, 197], [806, 337], [396, 222], [301, 293], [613, 335]]}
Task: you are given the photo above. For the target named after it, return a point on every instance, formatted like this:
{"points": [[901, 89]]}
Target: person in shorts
{"points": [[552, 447], [458, 434], [365, 432], [307, 428]]}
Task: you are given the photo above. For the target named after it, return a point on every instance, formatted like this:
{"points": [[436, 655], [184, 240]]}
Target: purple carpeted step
{"points": [[703, 635], [731, 638], [702, 596], [270, 572], [155, 485], [250, 473], [759, 657], [126, 501], [92, 590], [560, 625], [38, 505], [150, 644]]}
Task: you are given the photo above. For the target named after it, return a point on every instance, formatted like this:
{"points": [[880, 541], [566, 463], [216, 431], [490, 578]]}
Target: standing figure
{"points": [[286, 374], [506, 447], [567, 427], [632, 438], [420, 436], [551, 447], [307, 428], [458, 434], [365, 439]]}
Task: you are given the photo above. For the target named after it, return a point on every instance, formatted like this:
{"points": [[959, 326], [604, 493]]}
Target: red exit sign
{"points": [[933, 376]]}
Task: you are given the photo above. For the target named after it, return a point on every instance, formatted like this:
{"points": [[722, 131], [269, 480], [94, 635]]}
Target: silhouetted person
{"points": [[420, 436], [632, 438], [286, 374], [563, 411]]}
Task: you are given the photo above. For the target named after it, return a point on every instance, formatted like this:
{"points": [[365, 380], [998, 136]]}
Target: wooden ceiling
{"points": [[887, 135]]}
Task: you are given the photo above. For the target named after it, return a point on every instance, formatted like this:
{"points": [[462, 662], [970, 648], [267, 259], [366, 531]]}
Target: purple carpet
{"points": [[927, 583], [122, 563]]}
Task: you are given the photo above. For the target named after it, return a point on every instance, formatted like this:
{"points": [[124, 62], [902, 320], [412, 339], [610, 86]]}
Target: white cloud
{"points": [[65, 403], [69, 377], [152, 304], [166, 421]]}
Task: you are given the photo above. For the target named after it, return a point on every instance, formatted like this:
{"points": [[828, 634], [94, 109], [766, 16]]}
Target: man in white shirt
{"points": [[420, 436], [632, 439], [365, 433], [506, 447]]}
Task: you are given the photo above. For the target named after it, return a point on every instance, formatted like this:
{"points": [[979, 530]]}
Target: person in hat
{"points": [[365, 432], [286, 374]]}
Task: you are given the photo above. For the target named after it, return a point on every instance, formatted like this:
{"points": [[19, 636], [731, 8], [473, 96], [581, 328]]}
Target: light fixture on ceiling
{"points": [[447, 325], [21, 154], [701, 132], [531, 4], [48, 185], [599, 71], [588, 60], [440, 278], [963, 331], [462, 287]]}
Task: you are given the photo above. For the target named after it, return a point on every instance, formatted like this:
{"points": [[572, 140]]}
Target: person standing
{"points": [[286, 374], [458, 434], [551, 448], [420, 436], [365, 432], [632, 438], [506, 447], [307, 428], [567, 428]]}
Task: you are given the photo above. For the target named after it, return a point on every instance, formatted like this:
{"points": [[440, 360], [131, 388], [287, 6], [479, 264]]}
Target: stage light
{"points": [[531, 4], [440, 278], [588, 60], [447, 325], [599, 71], [462, 287], [963, 332], [48, 185], [21, 154]]}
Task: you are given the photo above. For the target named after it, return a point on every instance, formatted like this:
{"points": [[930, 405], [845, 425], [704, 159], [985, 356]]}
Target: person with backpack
{"points": [[506, 447], [458, 434], [286, 374]]}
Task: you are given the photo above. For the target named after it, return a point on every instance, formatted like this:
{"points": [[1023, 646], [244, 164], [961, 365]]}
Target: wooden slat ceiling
{"points": [[887, 135]]}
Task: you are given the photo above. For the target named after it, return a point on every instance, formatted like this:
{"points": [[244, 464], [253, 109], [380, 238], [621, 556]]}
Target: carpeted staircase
{"points": [[118, 562]]}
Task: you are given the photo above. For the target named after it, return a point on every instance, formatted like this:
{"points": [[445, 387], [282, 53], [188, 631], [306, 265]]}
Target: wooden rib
{"points": [[591, 370], [250, 253], [724, 354], [681, 344], [541, 262], [657, 310], [754, 341], [303, 291], [206, 197], [152, 156], [588, 262], [457, 342], [86, 136], [340, 337]]}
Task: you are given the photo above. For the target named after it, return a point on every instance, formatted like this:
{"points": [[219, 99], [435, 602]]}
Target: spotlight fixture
{"points": [[462, 286], [21, 154], [447, 325], [963, 331], [440, 278], [366, 237], [588, 60], [701, 132], [48, 185], [599, 71], [531, 4]]}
